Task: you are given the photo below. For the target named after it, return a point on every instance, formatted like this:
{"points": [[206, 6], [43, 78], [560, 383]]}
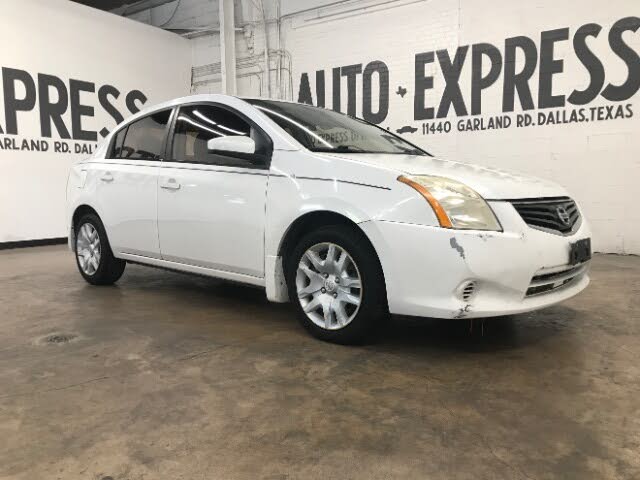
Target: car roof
{"points": [[202, 97], [281, 140]]}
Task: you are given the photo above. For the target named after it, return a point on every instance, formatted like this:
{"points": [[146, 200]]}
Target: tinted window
{"points": [[321, 130], [197, 124], [144, 139], [117, 143]]}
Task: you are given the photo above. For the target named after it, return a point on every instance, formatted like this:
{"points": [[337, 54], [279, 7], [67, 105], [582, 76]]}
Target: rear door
{"points": [[127, 180], [211, 205]]}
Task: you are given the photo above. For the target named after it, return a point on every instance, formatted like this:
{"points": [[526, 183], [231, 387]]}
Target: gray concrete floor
{"points": [[178, 377]]}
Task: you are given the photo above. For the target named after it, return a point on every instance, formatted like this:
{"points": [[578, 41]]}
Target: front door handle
{"points": [[170, 184], [107, 177]]}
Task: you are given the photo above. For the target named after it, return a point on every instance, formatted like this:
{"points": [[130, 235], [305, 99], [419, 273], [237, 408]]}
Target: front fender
{"points": [[290, 198]]}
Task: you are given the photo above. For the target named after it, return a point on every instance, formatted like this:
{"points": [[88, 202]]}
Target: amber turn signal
{"points": [[441, 215]]}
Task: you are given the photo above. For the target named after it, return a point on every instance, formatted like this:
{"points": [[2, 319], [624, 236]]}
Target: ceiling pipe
{"points": [[266, 49]]}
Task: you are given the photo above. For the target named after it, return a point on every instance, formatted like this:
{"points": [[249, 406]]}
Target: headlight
{"points": [[455, 204]]}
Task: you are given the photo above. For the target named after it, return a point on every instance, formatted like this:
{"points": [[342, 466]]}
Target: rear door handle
{"points": [[107, 177], [170, 184]]}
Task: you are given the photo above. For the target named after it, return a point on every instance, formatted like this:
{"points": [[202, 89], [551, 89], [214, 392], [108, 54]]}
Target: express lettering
{"points": [[351, 72], [54, 98], [518, 83], [488, 64]]}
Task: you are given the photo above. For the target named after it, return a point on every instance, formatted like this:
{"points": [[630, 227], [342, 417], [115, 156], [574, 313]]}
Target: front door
{"points": [[211, 205]]}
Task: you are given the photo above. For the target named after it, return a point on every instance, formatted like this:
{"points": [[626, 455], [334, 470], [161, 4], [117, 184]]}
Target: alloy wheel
{"points": [[329, 286], [88, 249]]}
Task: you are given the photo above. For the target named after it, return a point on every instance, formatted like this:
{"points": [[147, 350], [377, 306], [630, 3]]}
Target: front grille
{"points": [[551, 277], [547, 282], [557, 214]]}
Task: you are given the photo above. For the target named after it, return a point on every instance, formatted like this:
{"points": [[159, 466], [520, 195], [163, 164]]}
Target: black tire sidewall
{"points": [[109, 269], [373, 304]]}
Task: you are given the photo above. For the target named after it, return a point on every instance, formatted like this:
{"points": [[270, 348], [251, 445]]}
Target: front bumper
{"points": [[426, 268]]}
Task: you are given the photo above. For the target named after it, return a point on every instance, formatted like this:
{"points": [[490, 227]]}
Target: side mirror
{"points": [[232, 143]]}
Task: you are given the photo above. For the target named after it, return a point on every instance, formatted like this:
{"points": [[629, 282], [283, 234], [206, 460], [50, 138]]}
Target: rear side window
{"points": [[144, 138], [197, 124], [117, 143]]}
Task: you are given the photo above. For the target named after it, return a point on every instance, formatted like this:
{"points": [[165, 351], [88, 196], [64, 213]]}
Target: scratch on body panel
{"points": [[456, 246], [462, 312]]}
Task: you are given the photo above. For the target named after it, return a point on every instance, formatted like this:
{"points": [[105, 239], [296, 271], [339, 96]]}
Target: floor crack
{"points": [[504, 462], [55, 389], [488, 446]]}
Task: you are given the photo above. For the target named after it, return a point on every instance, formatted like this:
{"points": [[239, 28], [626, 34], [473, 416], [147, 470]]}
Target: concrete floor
{"points": [[177, 377]]}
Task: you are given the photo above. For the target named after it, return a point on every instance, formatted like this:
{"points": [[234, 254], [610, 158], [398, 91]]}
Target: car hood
{"points": [[491, 183]]}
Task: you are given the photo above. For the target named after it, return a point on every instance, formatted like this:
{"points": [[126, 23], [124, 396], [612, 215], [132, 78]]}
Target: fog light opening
{"points": [[467, 290]]}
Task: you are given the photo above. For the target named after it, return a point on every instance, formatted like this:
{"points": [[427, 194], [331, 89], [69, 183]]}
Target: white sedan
{"points": [[346, 220]]}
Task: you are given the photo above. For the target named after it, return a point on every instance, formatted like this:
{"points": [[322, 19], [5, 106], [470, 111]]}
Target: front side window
{"points": [[144, 138], [321, 130], [197, 124]]}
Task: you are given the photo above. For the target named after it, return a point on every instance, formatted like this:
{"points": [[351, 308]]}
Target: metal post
{"points": [[228, 47]]}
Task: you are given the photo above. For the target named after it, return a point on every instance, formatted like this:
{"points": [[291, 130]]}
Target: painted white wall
{"points": [[71, 41]]}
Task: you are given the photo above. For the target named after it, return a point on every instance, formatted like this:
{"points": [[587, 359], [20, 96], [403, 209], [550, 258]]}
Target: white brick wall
{"points": [[599, 162]]}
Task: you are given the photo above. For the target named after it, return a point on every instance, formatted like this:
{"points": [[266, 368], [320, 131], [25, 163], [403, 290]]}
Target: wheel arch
{"points": [[310, 221], [79, 211], [313, 220]]}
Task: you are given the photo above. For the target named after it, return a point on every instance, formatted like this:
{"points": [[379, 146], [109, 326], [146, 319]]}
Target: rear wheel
{"points": [[94, 257], [336, 283]]}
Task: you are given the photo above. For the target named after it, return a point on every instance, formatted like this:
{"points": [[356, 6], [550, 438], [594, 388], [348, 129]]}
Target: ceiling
{"points": [[105, 4]]}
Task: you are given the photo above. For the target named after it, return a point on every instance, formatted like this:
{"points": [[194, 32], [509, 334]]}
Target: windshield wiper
{"points": [[352, 149], [413, 152]]}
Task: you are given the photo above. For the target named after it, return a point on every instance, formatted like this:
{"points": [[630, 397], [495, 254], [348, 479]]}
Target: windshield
{"points": [[321, 130]]}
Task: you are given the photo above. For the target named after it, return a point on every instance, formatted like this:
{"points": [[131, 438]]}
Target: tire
{"points": [[346, 322], [102, 267]]}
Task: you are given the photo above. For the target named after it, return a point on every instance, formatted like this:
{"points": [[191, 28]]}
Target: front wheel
{"points": [[94, 257], [336, 283]]}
